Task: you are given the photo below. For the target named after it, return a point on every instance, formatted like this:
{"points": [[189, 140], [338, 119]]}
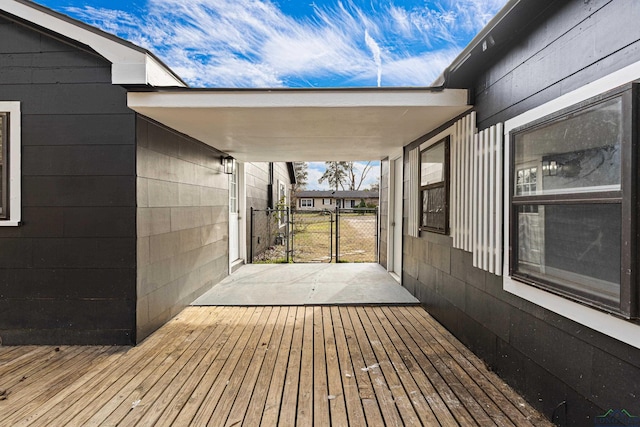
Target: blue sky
{"points": [[294, 43]]}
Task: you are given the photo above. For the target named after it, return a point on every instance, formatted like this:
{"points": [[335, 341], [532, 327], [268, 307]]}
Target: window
{"points": [[306, 203], [326, 201], [10, 192], [434, 187], [571, 202]]}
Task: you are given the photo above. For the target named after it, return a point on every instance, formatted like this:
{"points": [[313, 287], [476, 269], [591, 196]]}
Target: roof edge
{"points": [[463, 56], [131, 64]]}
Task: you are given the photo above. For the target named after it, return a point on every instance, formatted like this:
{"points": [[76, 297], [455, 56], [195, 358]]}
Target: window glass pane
{"points": [[575, 154], [432, 165], [576, 246], [433, 208]]}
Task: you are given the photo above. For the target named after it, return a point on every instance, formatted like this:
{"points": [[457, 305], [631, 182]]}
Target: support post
{"points": [[337, 234], [251, 239]]}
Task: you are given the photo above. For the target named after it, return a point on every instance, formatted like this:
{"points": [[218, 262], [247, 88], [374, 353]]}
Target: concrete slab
{"points": [[307, 284]]}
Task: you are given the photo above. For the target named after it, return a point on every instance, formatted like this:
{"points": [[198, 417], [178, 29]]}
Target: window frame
{"points": [[5, 137], [626, 197], [303, 205], [446, 140], [12, 182]]}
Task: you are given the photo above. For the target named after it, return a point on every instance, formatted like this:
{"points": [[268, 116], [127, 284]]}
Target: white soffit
{"points": [[303, 125], [130, 65]]}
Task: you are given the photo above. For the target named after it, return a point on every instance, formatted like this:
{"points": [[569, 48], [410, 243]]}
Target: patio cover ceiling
{"points": [[303, 124]]}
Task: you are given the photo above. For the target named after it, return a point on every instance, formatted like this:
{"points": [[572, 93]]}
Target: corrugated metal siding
{"points": [[476, 193]]}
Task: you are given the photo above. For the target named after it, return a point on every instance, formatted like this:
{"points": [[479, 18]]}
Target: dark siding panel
{"points": [[85, 253], [78, 191], [56, 283], [68, 273], [581, 43], [99, 222], [78, 129], [68, 314], [69, 98], [79, 160]]}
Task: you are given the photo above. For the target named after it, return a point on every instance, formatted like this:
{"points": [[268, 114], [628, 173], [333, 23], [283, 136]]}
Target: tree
{"points": [[375, 186], [302, 176], [356, 178], [335, 174]]}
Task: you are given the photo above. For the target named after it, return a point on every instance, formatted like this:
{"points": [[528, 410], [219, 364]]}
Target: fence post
{"points": [[337, 234], [377, 236], [288, 229], [251, 239]]}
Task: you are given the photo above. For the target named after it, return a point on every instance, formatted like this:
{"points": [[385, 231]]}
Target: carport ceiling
{"points": [[303, 124]]}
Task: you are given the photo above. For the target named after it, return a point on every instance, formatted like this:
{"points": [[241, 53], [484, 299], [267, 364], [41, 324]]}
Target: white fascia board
{"points": [[129, 66], [301, 98]]}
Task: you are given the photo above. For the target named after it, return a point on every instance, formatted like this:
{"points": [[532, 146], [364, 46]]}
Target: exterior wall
{"points": [[383, 212], [545, 356], [182, 223], [67, 274], [257, 192]]}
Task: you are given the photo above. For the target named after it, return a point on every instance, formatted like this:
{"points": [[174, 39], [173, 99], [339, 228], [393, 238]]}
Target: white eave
{"points": [[305, 124], [130, 65]]}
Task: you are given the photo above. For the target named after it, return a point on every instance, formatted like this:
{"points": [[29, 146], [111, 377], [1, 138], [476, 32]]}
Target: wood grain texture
{"points": [[266, 366]]}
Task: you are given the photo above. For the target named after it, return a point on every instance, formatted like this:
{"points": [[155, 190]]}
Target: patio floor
{"points": [[308, 284], [265, 365]]}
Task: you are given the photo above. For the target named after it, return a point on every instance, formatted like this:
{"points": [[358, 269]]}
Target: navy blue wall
{"points": [[67, 275], [547, 357]]}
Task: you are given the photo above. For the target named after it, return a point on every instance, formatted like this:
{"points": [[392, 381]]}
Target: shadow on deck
{"points": [[268, 365]]}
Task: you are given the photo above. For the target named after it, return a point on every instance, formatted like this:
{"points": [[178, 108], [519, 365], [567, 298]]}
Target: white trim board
{"points": [[597, 320], [15, 180]]}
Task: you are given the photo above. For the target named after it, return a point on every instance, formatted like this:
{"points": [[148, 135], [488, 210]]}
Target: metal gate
{"points": [[343, 235]]}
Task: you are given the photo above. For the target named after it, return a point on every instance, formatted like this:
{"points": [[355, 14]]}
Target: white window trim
{"points": [[282, 222], [597, 320], [304, 201], [15, 195]]}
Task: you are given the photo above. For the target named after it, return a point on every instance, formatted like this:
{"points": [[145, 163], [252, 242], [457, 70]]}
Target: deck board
{"points": [[269, 365]]}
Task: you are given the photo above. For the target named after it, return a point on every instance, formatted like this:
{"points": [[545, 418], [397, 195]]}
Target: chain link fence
{"points": [[312, 236], [270, 236], [343, 235], [357, 235]]}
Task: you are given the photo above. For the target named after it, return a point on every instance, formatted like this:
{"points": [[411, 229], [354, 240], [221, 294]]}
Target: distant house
{"points": [[317, 199]]}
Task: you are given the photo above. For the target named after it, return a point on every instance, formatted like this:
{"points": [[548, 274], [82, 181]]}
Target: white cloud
{"points": [[375, 51], [252, 43]]}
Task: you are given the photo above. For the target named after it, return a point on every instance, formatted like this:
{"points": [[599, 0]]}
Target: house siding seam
{"points": [[182, 223], [67, 274], [547, 357]]}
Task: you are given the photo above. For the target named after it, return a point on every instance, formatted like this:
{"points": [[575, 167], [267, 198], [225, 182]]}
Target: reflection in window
{"points": [[567, 202], [575, 246], [578, 154]]}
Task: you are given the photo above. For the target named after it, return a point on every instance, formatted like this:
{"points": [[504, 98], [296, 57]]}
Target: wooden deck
{"points": [[231, 366]]}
